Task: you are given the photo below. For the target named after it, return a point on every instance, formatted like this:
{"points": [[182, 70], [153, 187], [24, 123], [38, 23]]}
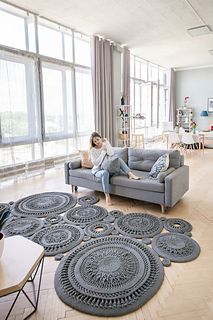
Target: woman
{"points": [[98, 149]]}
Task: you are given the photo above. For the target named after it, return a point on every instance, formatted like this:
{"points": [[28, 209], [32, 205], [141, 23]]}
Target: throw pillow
{"points": [[111, 164], [160, 165], [85, 159]]}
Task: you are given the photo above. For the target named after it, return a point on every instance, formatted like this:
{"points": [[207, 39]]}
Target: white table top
{"points": [[19, 259]]}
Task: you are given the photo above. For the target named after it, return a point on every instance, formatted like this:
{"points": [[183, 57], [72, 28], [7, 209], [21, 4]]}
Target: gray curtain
{"points": [[172, 95], [126, 76], [102, 76]]}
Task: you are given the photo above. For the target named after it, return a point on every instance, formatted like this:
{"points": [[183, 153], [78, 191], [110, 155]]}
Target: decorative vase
{"points": [[1, 243]]}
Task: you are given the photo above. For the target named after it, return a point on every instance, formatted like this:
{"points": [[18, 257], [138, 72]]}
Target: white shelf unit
{"points": [[123, 125], [184, 117]]}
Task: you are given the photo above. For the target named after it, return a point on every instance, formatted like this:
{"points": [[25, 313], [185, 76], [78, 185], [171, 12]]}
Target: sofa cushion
{"points": [[145, 183], [82, 173], [160, 165], [121, 153], [141, 159]]}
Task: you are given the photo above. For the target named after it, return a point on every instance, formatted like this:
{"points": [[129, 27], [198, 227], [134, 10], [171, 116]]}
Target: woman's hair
{"points": [[94, 135]]}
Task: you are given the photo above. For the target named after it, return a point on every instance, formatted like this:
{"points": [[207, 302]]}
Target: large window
{"points": [[148, 94], [46, 105], [58, 101], [18, 100], [17, 28]]}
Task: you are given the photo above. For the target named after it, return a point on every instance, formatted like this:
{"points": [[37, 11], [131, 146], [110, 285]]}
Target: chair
{"points": [[188, 142], [174, 140], [137, 140]]}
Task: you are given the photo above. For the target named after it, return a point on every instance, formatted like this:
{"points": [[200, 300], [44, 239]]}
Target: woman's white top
{"points": [[97, 155]]}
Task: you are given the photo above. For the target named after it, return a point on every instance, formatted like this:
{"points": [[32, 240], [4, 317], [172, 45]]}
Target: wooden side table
{"points": [[19, 264]]}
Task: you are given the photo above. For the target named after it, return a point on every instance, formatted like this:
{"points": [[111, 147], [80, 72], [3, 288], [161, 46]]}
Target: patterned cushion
{"points": [[160, 165]]}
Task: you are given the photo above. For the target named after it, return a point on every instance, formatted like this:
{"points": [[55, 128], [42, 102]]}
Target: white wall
{"points": [[198, 85]]}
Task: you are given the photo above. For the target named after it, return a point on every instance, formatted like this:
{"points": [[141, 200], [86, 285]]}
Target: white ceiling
{"points": [[152, 29]]}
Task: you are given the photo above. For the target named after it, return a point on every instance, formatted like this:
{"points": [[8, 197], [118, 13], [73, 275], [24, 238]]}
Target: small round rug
{"points": [[177, 225], [58, 238], [41, 204], [84, 215], [176, 247], [116, 213], [53, 218], [99, 229], [109, 276], [139, 225], [88, 200], [22, 226]]}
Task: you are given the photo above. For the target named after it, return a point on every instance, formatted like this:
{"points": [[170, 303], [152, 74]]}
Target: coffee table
{"points": [[19, 264]]}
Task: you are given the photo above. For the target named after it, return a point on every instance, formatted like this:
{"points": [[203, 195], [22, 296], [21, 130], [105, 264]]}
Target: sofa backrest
{"points": [[142, 159]]}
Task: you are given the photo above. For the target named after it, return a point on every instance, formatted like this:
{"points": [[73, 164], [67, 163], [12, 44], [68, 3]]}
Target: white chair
{"points": [[174, 140], [188, 142]]}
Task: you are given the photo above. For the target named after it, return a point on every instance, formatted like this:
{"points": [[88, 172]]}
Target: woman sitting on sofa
{"points": [[99, 148]]}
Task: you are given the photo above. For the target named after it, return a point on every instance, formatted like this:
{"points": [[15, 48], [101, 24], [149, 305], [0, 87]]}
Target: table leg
{"points": [[34, 304]]}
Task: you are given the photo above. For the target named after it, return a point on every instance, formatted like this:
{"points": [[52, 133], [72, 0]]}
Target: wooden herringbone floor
{"points": [[187, 290]]}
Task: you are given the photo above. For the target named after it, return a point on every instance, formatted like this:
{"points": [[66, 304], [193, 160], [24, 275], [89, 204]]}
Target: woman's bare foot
{"points": [[108, 200], [132, 176]]}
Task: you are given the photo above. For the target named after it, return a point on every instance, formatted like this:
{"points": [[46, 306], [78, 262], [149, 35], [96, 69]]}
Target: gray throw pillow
{"points": [[111, 164], [160, 165]]}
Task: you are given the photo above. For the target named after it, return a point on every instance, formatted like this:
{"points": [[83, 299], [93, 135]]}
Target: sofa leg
{"points": [[163, 208], [74, 188]]}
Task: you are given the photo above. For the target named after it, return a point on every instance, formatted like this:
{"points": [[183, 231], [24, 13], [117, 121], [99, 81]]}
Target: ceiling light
{"points": [[211, 52], [199, 31]]}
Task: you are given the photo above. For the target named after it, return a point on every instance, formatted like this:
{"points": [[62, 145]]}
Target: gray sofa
{"points": [[166, 190]]}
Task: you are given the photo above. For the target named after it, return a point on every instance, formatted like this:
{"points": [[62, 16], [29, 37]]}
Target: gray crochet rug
{"points": [[177, 225], [139, 225], [176, 247], [58, 238], [109, 276], [42, 204], [84, 215], [87, 200], [22, 226]]}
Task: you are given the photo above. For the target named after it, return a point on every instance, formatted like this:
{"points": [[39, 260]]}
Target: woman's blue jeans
{"points": [[104, 175]]}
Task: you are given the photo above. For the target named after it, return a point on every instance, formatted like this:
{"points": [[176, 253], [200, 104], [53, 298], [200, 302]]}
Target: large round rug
{"points": [[58, 238], [109, 276], [176, 246], [42, 204], [84, 215], [22, 226], [139, 225]]}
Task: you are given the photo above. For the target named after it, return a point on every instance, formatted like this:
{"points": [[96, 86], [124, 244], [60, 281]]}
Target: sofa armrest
{"points": [[164, 174], [72, 164], [176, 184]]}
